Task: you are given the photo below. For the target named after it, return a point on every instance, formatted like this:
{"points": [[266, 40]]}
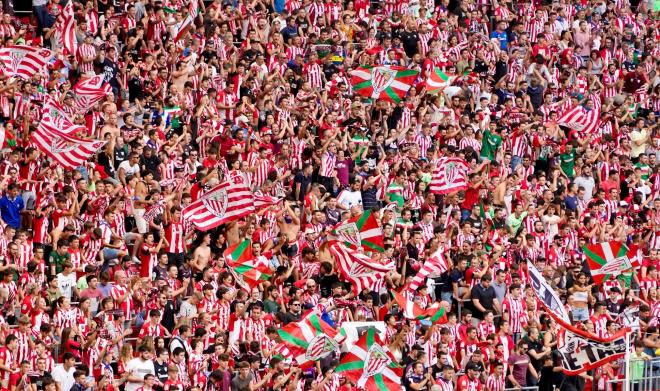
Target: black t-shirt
{"points": [[161, 371], [325, 284], [484, 295], [38, 380], [409, 40], [536, 346], [304, 181], [475, 222]]}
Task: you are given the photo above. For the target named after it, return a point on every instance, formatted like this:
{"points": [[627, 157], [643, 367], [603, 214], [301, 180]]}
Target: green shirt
{"points": [[646, 170], [567, 163], [515, 222], [270, 306], [490, 144], [395, 194], [57, 259]]}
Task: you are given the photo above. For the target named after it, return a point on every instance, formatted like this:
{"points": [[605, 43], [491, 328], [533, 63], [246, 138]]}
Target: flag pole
{"points": [[626, 377]]}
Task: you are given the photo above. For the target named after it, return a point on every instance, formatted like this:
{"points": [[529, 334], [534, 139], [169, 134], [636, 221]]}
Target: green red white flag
{"points": [[389, 83], [437, 81], [310, 339], [360, 231], [608, 260], [248, 270], [370, 365], [409, 308]]}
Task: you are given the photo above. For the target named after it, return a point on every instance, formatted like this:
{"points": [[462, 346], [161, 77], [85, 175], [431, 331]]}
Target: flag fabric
{"points": [[67, 29], [55, 119], [310, 339], [449, 174], [389, 83], [436, 313], [69, 151], [408, 307], [436, 263], [227, 202], [90, 91], [263, 200], [437, 81], [24, 61], [370, 365], [246, 269], [580, 119], [360, 231], [355, 268], [183, 28], [546, 295], [608, 260]]}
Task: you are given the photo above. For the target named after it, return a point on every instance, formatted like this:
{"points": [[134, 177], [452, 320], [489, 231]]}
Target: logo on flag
{"points": [[321, 346], [382, 78], [350, 233], [16, 58], [60, 145], [614, 266], [216, 203], [376, 361]]}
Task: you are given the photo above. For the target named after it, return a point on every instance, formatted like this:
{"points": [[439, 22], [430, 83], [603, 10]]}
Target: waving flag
{"points": [[370, 365], [449, 175], [248, 270], [389, 83], [437, 81], [227, 202], [437, 313], [263, 200], [69, 151], [24, 61], [358, 269], [90, 91], [581, 352], [360, 231], [580, 119], [55, 119], [67, 29], [310, 339], [409, 308], [608, 260], [436, 263]]}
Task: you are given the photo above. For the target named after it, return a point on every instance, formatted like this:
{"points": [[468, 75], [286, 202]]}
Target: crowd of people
{"points": [[104, 285]]}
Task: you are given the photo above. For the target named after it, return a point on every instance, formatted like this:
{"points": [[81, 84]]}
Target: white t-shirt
{"points": [[139, 368], [349, 198], [128, 169], [63, 377], [66, 284]]}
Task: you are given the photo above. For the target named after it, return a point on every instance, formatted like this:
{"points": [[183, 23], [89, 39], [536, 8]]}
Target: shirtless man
{"points": [[202, 255], [140, 203]]}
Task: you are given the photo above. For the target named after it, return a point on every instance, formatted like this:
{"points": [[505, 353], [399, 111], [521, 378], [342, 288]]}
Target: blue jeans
{"points": [[44, 18], [447, 296], [580, 314], [515, 162]]}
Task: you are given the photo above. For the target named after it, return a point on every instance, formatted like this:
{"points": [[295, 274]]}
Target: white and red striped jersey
{"points": [[328, 162], [516, 308]]}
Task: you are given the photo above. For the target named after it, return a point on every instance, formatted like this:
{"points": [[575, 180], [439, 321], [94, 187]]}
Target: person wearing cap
{"points": [[470, 380]]}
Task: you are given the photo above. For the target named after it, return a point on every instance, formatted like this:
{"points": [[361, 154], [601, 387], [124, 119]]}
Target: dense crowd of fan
{"points": [[103, 284]]}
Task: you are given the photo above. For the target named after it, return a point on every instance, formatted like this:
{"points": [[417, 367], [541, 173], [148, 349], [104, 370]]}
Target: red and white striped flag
{"points": [[90, 91], [69, 151], [262, 200], [24, 61], [449, 175], [67, 29], [358, 269], [226, 202], [436, 263], [580, 119], [55, 119]]}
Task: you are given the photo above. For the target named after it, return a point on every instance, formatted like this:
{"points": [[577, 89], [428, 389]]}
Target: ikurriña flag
{"points": [[389, 83]]}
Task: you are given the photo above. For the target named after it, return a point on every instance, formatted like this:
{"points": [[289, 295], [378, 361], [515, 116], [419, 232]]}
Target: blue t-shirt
{"points": [[502, 37], [10, 210]]}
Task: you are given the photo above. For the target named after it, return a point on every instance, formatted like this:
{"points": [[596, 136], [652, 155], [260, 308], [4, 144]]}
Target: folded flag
{"points": [[389, 83], [370, 365], [227, 202], [608, 260], [310, 339], [435, 264], [262, 200], [69, 151], [360, 231], [437, 81], [248, 270]]}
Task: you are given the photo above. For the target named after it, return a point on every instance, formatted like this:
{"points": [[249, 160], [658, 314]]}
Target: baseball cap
{"points": [[472, 366]]}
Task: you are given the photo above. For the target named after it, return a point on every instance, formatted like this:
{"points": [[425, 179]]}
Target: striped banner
{"points": [[69, 151], [227, 202]]}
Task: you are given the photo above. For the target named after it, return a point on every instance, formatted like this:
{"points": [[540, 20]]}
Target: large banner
{"points": [[546, 294], [581, 353]]}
